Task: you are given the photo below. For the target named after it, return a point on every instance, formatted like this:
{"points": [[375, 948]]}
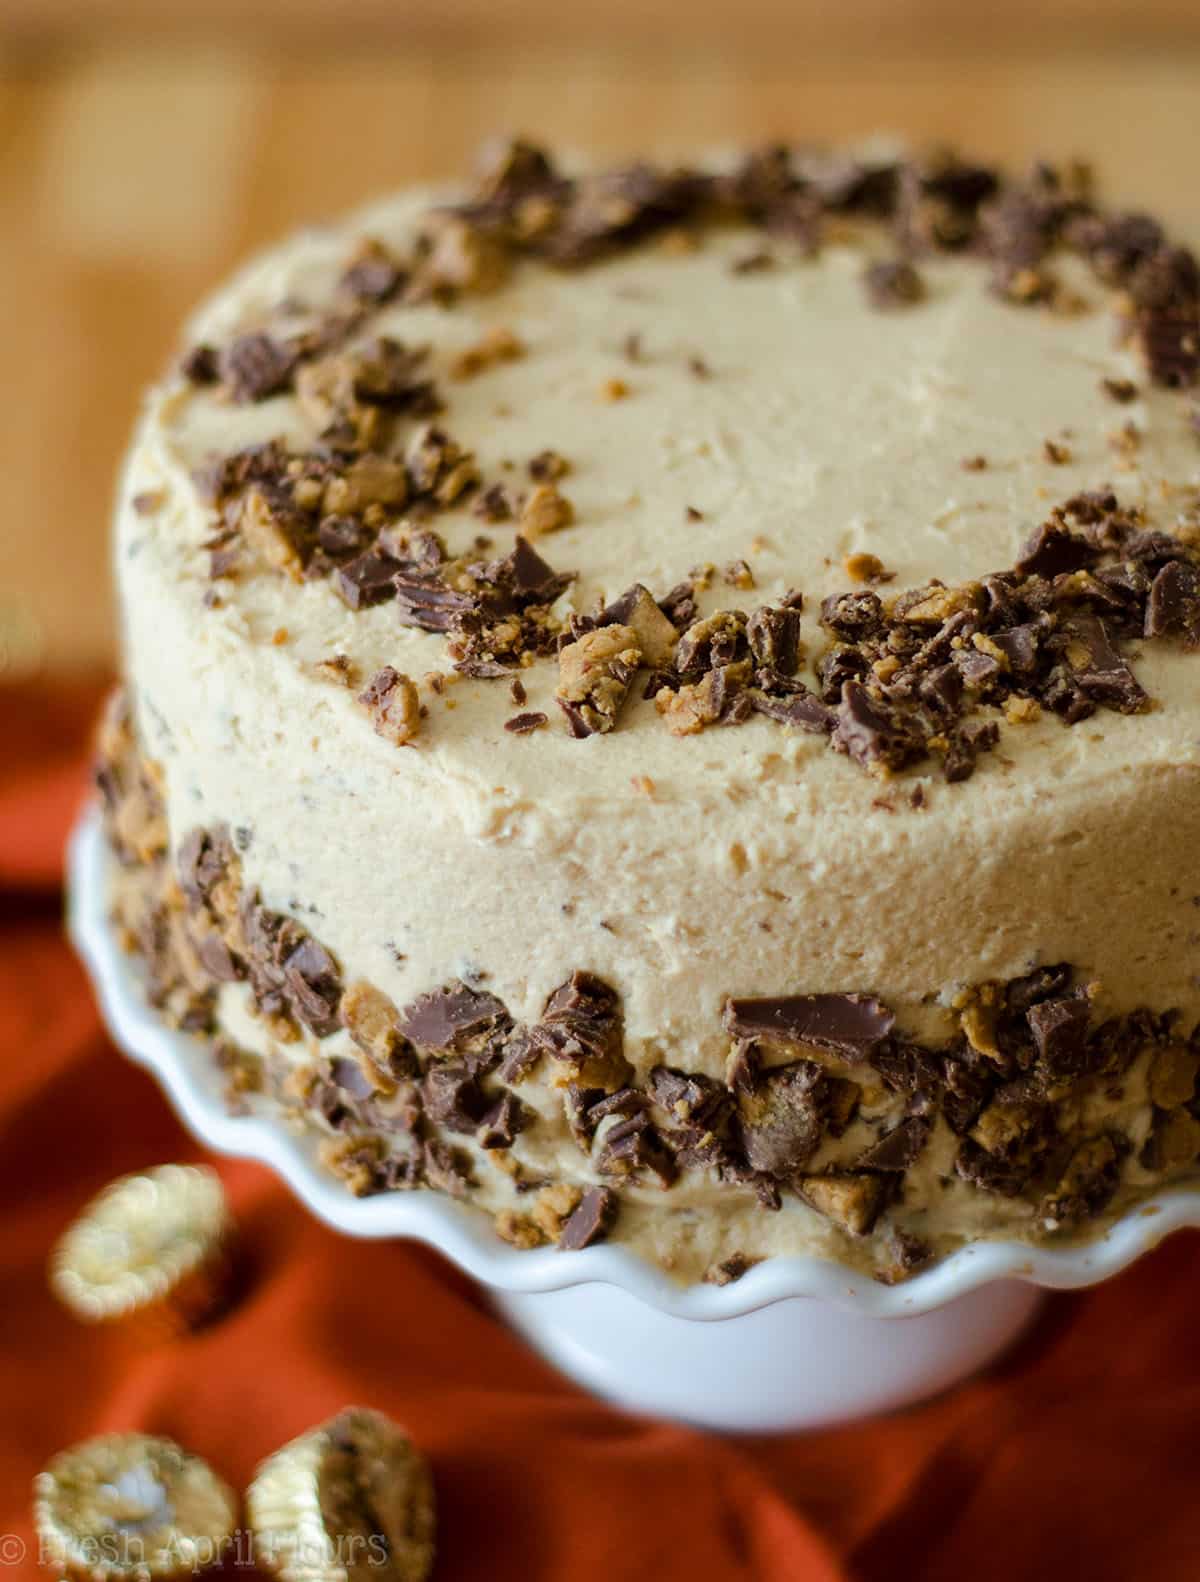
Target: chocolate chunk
{"points": [[1061, 693], [761, 180], [774, 638], [591, 1221], [445, 1168], [797, 707], [372, 276], [852, 616], [942, 689], [224, 553], [631, 1149], [700, 1118], [968, 1087], [1018, 227], [1149, 548], [217, 958], [453, 1097], [893, 284], [851, 1025], [837, 666], [729, 1269], [781, 1120], [1166, 299], [451, 1016], [341, 536], [199, 366], [516, 578], [424, 600], [976, 667], [512, 169], [578, 1103], [624, 1102], [1006, 1145], [1173, 607], [870, 731], [1060, 1030], [502, 1122], [1019, 644], [270, 937], [679, 604], [581, 1026], [494, 504], [222, 477], [1091, 507], [907, 1253], [1053, 549], [752, 263], [712, 643], [684, 1095], [1117, 244], [518, 1056], [348, 1075], [1121, 390], [257, 366], [765, 1190], [897, 1149], [959, 182], [314, 986], [201, 863], [548, 467], [522, 724], [908, 1068], [1100, 672], [482, 669], [848, 184], [1089, 1182], [964, 745], [368, 580]]}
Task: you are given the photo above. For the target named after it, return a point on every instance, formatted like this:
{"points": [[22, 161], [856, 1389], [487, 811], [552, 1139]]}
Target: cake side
{"points": [[831, 1132], [740, 421]]}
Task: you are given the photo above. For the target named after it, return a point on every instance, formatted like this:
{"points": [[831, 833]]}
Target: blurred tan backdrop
{"points": [[146, 144]]}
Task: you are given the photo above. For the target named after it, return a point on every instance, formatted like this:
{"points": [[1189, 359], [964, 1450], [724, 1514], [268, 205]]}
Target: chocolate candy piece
{"points": [[350, 1499], [852, 1025], [151, 1250], [131, 1506]]}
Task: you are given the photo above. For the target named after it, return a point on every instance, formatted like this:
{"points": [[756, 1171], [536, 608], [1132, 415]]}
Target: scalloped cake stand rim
{"points": [[183, 1068]]}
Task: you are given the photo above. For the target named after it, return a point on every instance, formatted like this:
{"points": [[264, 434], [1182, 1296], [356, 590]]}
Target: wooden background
{"points": [[146, 144]]}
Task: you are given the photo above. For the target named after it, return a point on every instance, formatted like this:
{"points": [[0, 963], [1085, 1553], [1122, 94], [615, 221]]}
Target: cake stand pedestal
{"points": [[797, 1342], [799, 1363]]}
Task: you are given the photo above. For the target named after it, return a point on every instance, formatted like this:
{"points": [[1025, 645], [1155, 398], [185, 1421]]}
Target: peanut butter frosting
{"points": [[835, 421]]}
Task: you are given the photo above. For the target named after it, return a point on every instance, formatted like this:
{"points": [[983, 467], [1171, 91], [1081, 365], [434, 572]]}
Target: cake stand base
{"points": [[800, 1363]]}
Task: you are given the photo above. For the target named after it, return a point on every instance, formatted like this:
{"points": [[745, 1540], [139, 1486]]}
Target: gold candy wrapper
{"points": [[348, 1501], [152, 1252], [131, 1508]]}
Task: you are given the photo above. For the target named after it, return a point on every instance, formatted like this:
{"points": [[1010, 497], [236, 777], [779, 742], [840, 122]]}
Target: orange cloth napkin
{"points": [[1077, 1456]]}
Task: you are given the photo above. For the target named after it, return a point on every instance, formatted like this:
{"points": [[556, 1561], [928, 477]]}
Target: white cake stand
{"points": [[796, 1343]]}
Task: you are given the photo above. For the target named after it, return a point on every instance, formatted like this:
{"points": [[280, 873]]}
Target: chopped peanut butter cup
{"points": [[348, 1500], [151, 1250], [131, 1506]]}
